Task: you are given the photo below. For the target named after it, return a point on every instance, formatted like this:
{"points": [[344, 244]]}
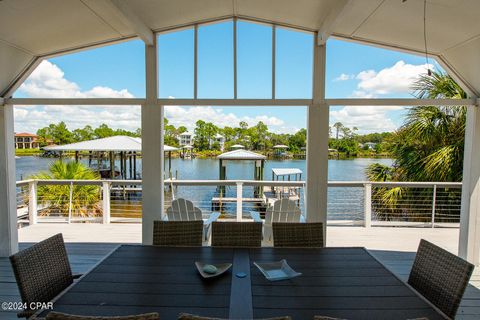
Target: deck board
{"points": [[396, 253]]}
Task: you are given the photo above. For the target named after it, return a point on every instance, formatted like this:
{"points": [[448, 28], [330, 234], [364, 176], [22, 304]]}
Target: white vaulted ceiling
{"points": [[32, 29]]}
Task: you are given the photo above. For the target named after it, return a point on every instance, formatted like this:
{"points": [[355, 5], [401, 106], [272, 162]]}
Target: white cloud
{"points": [[187, 116], [344, 77], [32, 118], [366, 118], [395, 79], [49, 81]]}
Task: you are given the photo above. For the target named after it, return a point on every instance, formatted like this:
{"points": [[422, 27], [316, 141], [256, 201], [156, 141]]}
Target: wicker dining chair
{"points": [[178, 233], [332, 318], [42, 271], [236, 234], [298, 235], [65, 316], [188, 316], [440, 276]]}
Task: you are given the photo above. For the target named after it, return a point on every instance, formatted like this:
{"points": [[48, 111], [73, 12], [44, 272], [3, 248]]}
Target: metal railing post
{"points": [[367, 205], [434, 204], [70, 203], [239, 200], [32, 202], [106, 202]]}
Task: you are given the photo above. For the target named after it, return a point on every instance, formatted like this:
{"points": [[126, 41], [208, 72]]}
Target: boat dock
{"points": [[217, 202]]}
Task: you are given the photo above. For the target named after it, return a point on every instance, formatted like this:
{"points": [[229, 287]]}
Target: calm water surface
{"points": [[207, 169], [343, 203]]}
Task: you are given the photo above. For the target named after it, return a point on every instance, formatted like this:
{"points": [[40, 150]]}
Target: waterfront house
{"points": [[185, 139], [32, 31], [26, 140], [218, 139], [369, 145]]}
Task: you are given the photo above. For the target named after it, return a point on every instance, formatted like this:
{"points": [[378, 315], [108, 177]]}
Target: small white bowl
{"points": [[221, 268]]}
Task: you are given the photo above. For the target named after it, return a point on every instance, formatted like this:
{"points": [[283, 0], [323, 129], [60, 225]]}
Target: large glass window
{"points": [[215, 60], [176, 64], [254, 60], [114, 71], [356, 70], [293, 64]]}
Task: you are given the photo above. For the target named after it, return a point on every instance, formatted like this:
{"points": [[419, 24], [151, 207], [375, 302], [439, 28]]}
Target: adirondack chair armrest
{"points": [[213, 217], [255, 216]]}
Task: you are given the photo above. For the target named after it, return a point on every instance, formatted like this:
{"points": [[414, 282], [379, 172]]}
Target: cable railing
{"points": [[364, 203]]}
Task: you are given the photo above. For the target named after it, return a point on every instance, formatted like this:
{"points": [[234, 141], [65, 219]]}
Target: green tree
{"points": [[103, 131], [337, 126], [204, 134], [229, 133], [44, 136], [428, 147], [298, 140], [181, 130], [56, 198], [258, 136], [57, 133], [171, 134], [87, 133]]}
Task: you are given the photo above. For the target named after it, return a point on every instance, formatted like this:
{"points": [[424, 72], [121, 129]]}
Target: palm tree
{"points": [[337, 126], [433, 136], [429, 145], [56, 198]]}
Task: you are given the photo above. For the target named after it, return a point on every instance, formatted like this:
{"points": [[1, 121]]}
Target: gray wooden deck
{"points": [[394, 247]]}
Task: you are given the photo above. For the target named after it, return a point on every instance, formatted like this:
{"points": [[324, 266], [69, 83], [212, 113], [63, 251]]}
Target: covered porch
{"points": [[394, 25], [346, 20]]}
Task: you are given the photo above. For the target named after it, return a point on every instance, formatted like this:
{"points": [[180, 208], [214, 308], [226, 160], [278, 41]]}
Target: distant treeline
{"points": [[257, 137]]}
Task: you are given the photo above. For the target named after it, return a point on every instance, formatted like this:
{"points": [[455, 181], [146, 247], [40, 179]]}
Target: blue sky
{"points": [[353, 70]]}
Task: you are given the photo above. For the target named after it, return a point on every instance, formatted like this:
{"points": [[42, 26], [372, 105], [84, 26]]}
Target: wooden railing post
{"points": [[368, 205], [32, 202], [239, 200], [106, 201]]}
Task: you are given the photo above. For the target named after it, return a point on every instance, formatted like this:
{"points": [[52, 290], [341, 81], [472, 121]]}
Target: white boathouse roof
{"points": [[115, 143], [241, 154]]}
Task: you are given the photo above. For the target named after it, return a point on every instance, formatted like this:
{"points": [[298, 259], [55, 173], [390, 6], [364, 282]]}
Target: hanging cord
{"points": [[429, 72]]}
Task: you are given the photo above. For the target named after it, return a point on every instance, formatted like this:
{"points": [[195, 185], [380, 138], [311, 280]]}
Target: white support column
{"points": [[152, 149], [317, 145], [8, 208], [469, 243]]}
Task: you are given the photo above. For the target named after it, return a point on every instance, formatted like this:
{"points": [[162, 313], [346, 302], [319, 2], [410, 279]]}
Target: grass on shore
{"points": [[28, 152]]}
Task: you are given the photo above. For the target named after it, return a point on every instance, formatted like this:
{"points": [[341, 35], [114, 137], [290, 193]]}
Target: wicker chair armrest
{"points": [[255, 216], [213, 217]]}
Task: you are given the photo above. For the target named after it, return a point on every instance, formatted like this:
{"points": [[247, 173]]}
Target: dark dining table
{"points": [[348, 283]]}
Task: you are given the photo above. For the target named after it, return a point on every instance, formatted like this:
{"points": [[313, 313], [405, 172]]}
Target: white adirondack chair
{"points": [[184, 210], [283, 210]]}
